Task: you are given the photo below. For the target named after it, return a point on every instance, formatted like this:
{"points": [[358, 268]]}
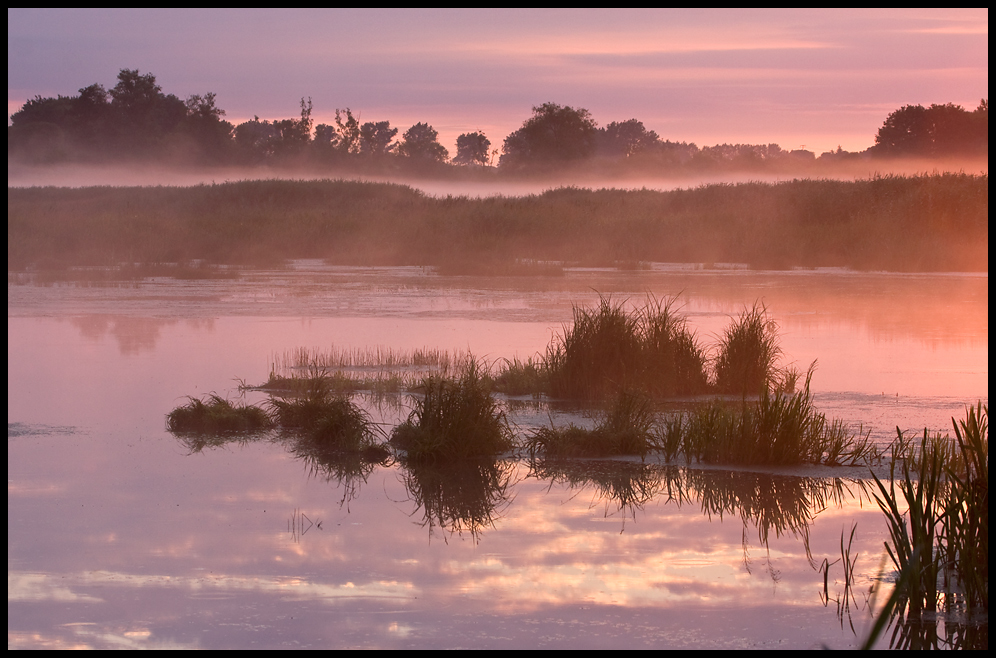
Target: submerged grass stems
{"points": [[217, 415], [455, 419]]}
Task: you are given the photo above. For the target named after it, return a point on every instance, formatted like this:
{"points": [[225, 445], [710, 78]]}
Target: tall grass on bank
{"points": [[607, 350], [454, 419], [920, 223], [944, 531]]}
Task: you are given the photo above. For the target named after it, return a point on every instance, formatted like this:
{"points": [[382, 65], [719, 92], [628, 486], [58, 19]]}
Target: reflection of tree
{"points": [[460, 496]]}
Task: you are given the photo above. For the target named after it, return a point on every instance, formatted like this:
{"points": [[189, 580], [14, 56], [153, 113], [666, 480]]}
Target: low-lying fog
{"points": [[86, 175]]}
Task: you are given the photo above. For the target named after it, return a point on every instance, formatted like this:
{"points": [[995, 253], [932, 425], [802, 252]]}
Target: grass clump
{"points": [[454, 419], [628, 428], [748, 354], [608, 350], [331, 420], [217, 416]]}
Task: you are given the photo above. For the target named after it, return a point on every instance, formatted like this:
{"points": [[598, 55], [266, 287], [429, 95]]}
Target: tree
{"points": [[472, 148], [348, 132], [143, 115], [624, 139], [375, 138], [555, 134], [420, 142]]}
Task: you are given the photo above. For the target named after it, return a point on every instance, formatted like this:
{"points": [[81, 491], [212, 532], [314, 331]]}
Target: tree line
{"points": [[135, 119]]}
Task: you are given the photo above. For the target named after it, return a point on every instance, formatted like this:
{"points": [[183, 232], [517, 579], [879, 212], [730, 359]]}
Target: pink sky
{"points": [[813, 78]]}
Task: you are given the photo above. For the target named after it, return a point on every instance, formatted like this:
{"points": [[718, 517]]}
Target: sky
{"points": [[806, 78]]}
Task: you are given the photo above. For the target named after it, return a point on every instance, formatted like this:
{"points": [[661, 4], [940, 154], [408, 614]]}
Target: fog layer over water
{"points": [[120, 534]]}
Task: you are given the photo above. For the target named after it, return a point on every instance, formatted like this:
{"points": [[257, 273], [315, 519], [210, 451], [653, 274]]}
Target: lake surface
{"points": [[123, 535]]}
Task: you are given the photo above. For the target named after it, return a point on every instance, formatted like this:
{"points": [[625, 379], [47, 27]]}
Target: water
{"points": [[120, 536]]}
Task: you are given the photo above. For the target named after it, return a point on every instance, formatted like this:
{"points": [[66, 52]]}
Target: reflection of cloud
{"points": [[49, 587], [42, 587]]}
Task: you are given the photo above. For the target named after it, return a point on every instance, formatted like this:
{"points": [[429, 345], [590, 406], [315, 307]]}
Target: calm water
{"points": [[121, 535]]}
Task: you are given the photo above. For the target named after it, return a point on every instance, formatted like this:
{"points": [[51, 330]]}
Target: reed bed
{"points": [[919, 223], [454, 419], [217, 416]]}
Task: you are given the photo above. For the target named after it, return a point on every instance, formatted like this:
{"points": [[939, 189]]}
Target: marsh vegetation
{"points": [[921, 223]]}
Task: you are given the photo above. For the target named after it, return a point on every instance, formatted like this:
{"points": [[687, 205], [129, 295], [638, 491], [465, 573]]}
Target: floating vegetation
{"points": [[454, 419], [217, 416], [626, 429], [330, 420]]}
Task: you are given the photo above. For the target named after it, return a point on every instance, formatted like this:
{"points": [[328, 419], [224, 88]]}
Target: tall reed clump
{"points": [[330, 419], [944, 530], [607, 350], [217, 416], [748, 354], [454, 419]]}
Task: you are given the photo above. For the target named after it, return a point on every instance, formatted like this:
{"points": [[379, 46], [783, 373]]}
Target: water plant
{"points": [[607, 350], [217, 415], [748, 353], [331, 420], [454, 419], [627, 428], [944, 487]]}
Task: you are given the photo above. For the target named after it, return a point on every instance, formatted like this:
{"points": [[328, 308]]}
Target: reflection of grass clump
{"points": [[608, 350], [748, 353], [454, 419], [627, 429], [217, 415]]}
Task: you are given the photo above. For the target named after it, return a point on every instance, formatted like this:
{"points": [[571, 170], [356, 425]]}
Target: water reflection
{"points": [[462, 496]]}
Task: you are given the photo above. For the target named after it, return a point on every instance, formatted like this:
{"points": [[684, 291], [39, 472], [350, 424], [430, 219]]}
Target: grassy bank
{"points": [[922, 223]]}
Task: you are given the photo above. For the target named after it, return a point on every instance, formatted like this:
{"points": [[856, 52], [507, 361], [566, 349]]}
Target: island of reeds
{"points": [[921, 223]]}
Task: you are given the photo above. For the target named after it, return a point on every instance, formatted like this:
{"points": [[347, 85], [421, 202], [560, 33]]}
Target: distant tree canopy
{"points": [[135, 119], [472, 148], [421, 143], [933, 131], [555, 134]]}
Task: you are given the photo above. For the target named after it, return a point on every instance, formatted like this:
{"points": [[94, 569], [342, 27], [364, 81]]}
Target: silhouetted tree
{"points": [[555, 134], [624, 139], [472, 148], [348, 131], [420, 142], [946, 129], [375, 138]]}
